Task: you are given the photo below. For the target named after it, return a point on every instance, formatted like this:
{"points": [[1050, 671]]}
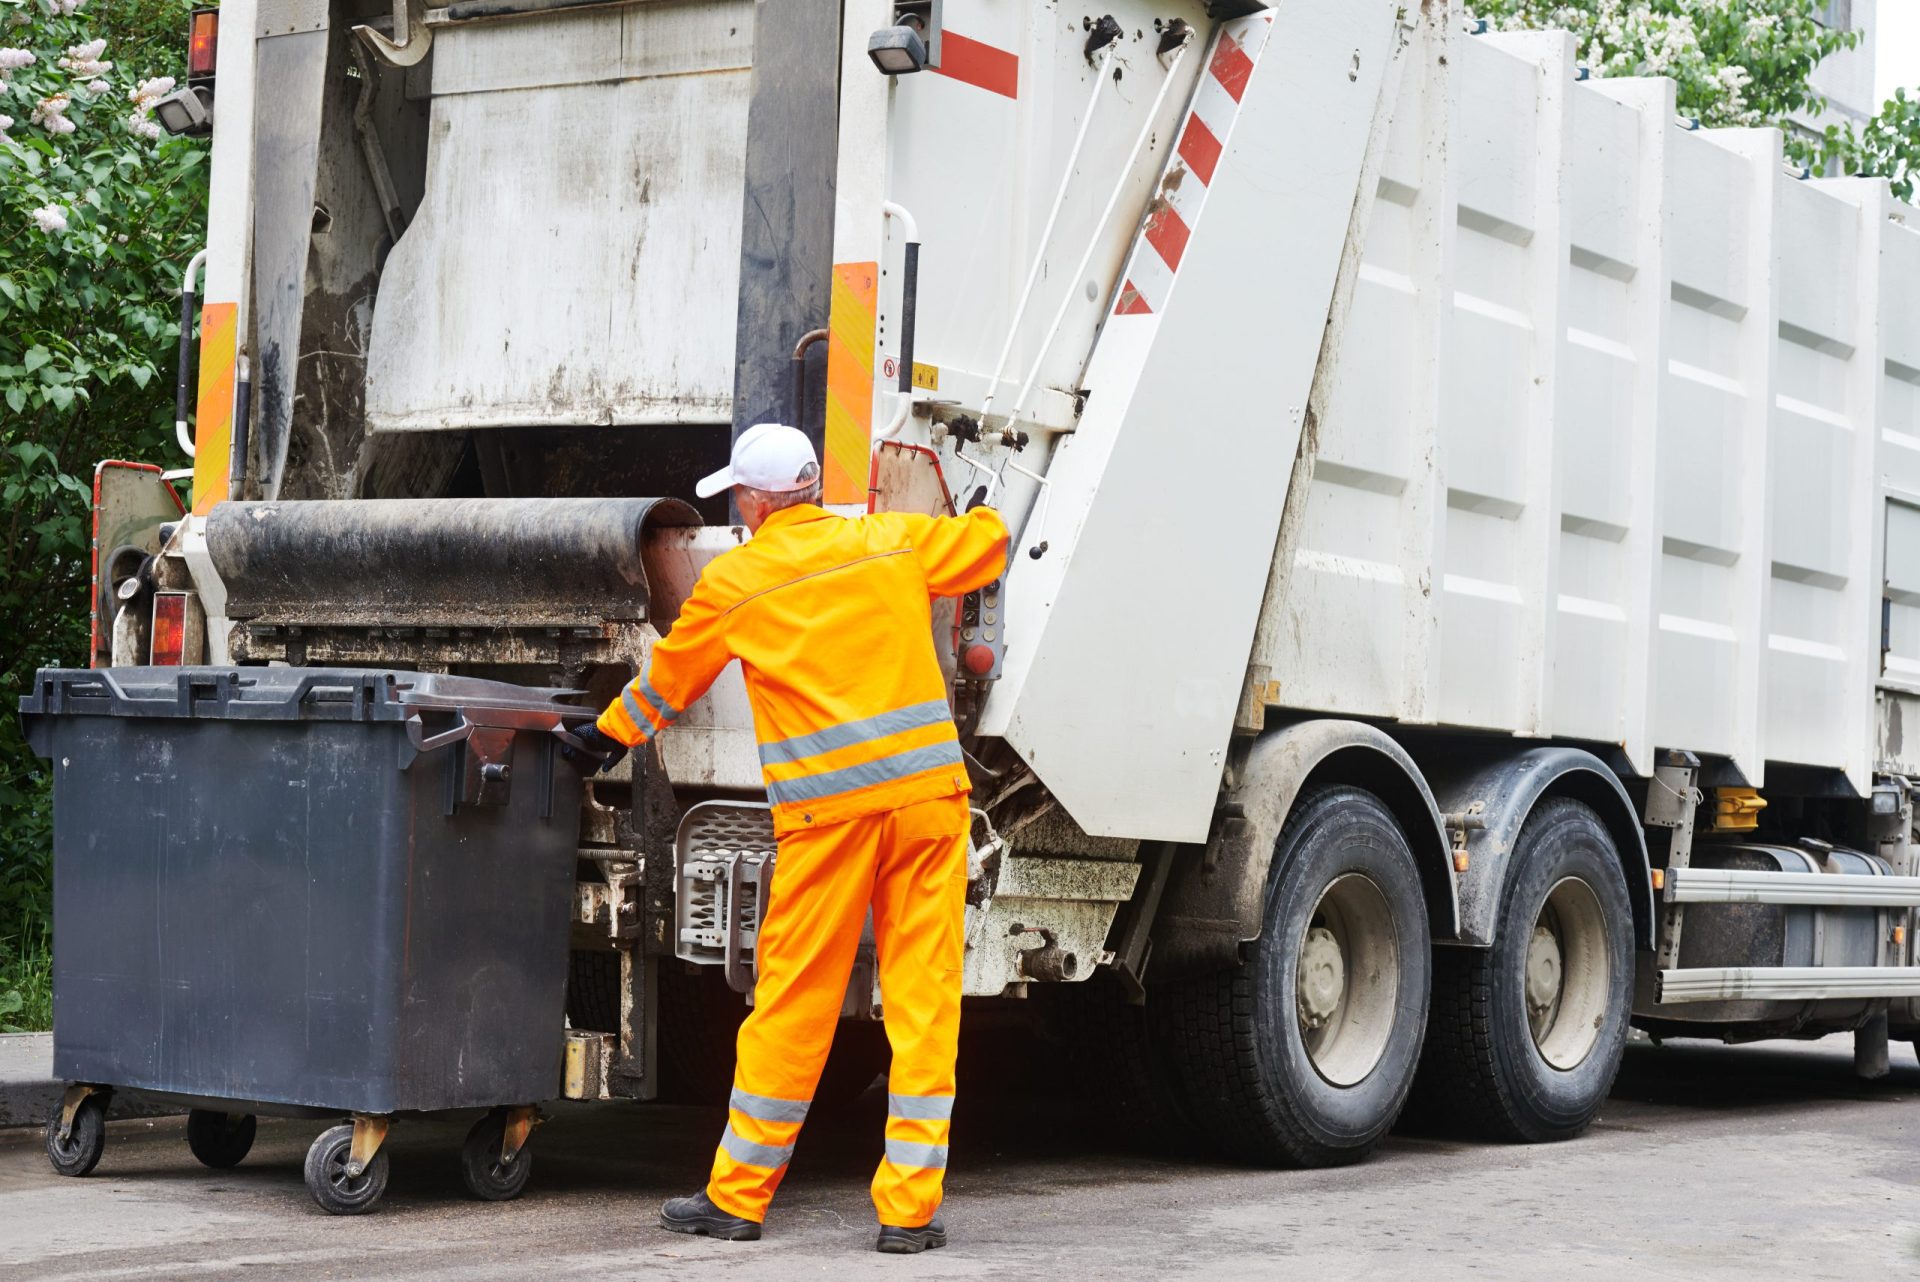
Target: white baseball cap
{"points": [[767, 456]]}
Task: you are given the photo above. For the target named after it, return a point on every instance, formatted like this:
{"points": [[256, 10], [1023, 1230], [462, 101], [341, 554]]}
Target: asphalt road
{"points": [[1750, 1162]]}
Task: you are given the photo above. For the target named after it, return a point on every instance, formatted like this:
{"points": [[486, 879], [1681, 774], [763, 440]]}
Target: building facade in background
{"points": [[1846, 78]]}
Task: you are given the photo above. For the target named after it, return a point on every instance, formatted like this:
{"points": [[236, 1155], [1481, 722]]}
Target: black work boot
{"points": [[698, 1214], [895, 1240]]}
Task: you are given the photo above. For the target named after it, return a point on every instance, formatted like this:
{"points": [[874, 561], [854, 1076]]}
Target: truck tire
{"points": [[1526, 1036], [861, 1055], [1304, 1055], [700, 1019], [1100, 1054], [593, 990]]}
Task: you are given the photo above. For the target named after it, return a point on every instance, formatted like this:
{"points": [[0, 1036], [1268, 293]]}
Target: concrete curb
{"points": [[30, 1094]]}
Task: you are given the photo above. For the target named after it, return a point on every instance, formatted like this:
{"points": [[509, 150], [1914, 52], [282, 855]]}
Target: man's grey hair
{"points": [[809, 493]]}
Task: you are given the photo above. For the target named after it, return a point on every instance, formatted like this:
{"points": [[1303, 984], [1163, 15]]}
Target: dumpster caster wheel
{"points": [[488, 1177], [85, 1140], [337, 1192], [219, 1140]]}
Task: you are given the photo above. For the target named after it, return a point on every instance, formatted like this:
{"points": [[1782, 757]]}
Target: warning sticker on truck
{"points": [[925, 377]]}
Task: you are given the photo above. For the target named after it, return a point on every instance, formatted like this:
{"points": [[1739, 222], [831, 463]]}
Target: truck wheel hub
{"points": [[1569, 981], [1323, 977], [1543, 971], [1347, 981]]}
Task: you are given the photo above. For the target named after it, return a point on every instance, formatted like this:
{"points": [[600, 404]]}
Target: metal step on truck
{"points": [[1465, 601]]}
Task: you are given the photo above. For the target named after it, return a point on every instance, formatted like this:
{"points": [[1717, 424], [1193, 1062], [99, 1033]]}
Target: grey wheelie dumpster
{"points": [[320, 891]]}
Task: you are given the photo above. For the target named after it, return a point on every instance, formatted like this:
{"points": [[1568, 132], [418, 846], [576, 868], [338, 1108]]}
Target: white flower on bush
{"points": [[51, 218], [84, 60], [150, 91], [13, 59], [67, 8], [6, 123], [1733, 81], [1663, 37], [143, 96], [51, 114], [97, 87]]}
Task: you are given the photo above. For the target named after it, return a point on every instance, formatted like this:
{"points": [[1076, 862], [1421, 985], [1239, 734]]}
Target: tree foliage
{"points": [[98, 214], [1734, 63], [1887, 146]]}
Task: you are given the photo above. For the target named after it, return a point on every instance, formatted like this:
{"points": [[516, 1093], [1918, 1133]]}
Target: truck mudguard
{"points": [[1501, 791], [1214, 904]]}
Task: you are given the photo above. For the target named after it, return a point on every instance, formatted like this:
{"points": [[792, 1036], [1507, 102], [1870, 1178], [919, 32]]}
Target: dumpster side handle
{"points": [[423, 742]]}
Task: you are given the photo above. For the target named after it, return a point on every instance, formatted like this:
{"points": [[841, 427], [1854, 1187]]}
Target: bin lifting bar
{"points": [[413, 36]]}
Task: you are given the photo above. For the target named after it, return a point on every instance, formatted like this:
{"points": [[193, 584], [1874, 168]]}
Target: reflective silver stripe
{"points": [[931, 1156], [848, 733], [632, 705], [667, 711], [921, 1108], [881, 770], [769, 1109], [747, 1153]]}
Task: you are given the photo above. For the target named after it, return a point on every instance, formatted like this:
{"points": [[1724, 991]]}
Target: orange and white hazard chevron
{"points": [[1182, 196]]}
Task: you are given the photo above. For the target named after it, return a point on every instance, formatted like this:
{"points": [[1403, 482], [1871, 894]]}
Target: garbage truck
{"points": [[1465, 593]]}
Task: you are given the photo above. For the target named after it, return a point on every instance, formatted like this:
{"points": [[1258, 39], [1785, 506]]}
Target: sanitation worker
{"points": [[830, 618]]}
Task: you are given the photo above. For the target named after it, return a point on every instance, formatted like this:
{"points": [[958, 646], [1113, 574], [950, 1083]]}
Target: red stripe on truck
{"points": [[1200, 149], [1168, 234], [1231, 67], [1174, 215], [1131, 302], [975, 63]]}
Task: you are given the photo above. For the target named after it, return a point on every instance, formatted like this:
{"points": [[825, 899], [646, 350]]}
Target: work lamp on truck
{"points": [[188, 111], [912, 43]]}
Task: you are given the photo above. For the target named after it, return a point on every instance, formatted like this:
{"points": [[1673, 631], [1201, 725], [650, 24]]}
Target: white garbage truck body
{"points": [[1466, 584]]}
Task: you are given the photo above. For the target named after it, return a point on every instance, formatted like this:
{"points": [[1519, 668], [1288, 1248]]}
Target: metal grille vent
{"points": [[723, 858]]}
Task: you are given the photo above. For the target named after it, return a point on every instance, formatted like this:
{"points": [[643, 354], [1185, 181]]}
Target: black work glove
{"points": [[597, 744]]}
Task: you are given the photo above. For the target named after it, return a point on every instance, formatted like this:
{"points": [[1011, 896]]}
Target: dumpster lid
{"points": [[278, 694]]}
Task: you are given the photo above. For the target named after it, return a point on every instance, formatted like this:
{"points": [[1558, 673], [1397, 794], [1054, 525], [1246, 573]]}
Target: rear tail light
{"points": [[169, 628], [203, 44]]}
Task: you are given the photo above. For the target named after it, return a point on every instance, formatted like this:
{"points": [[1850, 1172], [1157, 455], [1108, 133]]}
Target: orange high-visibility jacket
{"points": [[831, 620]]}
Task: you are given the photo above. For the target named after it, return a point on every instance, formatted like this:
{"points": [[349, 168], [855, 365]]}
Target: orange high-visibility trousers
{"points": [[910, 866]]}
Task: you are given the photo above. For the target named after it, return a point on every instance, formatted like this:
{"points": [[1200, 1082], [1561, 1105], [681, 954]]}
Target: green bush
{"points": [[98, 216], [26, 985]]}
